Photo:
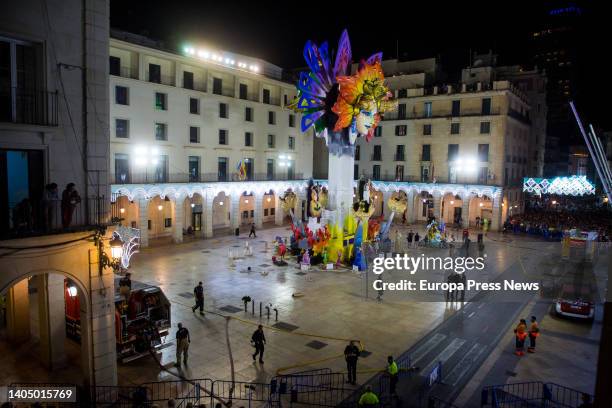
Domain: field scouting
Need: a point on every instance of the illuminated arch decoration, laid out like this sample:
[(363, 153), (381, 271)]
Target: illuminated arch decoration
[(177, 190), (131, 243), (572, 186)]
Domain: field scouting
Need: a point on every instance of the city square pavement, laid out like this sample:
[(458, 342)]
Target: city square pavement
[(329, 308)]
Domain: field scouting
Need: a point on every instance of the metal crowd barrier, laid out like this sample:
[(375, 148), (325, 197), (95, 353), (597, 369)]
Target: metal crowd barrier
[(530, 393)]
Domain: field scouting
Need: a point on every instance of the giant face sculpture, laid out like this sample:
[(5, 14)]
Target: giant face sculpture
[(365, 119), (339, 106)]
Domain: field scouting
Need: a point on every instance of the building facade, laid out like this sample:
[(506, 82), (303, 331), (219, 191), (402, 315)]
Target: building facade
[(198, 117), (54, 129), (477, 132)]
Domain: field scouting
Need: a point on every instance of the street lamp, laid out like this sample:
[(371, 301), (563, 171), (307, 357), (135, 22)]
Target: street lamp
[(116, 246), (116, 251)]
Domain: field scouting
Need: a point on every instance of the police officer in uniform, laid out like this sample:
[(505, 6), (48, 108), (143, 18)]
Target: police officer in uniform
[(198, 292), (393, 372), (368, 398), (351, 354), (182, 344), (258, 339)]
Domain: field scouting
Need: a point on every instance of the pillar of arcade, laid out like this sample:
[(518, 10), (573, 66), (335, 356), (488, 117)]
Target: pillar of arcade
[(465, 210), (437, 202), (410, 207), (208, 198), (258, 209), (178, 215), (279, 214), (235, 211), (143, 221)]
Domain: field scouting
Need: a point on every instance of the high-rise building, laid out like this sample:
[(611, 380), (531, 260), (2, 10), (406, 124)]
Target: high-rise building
[(554, 48)]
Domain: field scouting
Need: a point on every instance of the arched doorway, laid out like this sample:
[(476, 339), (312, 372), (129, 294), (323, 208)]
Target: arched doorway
[(269, 207), (160, 221), (423, 206), (480, 208), (247, 208), (220, 211), (44, 332), (193, 215), (451, 208), (126, 211)]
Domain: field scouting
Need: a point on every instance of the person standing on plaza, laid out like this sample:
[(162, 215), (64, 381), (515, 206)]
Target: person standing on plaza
[(182, 344), (534, 332), (351, 354), (393, 372), (368, 398), (410, 238), (521, 334), (417, 238), (198, 293), (258, 339), (252, 231)]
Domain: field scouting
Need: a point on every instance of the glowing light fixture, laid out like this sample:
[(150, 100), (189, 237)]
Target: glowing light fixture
[(72, 291), (192, 205), (573, 185), (160, 207), (452, 202), (481, 204), (116, 246), (122, 210), (269, 199), (143, 155)]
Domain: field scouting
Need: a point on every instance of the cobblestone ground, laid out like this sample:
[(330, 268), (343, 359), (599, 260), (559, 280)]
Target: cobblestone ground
[(331, 308)]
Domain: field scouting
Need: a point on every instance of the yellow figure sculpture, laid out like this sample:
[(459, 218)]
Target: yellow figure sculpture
[(288, 201)]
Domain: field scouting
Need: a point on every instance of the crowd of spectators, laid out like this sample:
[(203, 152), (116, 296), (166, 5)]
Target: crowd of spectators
[(553, 222)]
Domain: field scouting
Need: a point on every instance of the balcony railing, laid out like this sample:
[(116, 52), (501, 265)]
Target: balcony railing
[(35, 217), (389, 176), (162, 79), (436, 115), (29, 107), (272, 101), (126, 72), (150, 178)]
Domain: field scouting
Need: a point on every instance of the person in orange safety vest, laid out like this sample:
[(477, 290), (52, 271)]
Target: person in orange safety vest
[(534, 332), (521, 335)]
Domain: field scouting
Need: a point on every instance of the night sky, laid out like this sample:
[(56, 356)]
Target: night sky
[(277, 31)]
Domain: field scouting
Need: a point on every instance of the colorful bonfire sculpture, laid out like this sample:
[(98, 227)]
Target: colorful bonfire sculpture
[(339, 107)]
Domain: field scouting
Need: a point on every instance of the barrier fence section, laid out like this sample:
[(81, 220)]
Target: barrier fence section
[(533, 392), (117, 396), (245, 392), (194, 391), (311, 388), (431, 378)]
